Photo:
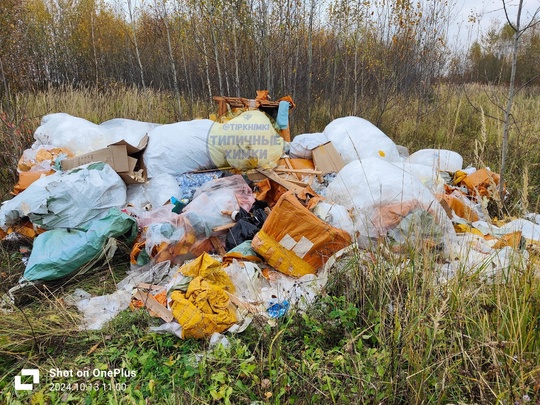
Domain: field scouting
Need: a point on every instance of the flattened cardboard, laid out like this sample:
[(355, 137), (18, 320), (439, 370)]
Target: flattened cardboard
[(114, 155), (123, 157), (327, 159)]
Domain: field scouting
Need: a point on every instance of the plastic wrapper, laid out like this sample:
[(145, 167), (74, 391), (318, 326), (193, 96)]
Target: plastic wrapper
[(296, 242), (380, 195), (356, 138), (97, 311), (178, 148), (214, 202), (67, 200), (214, 188)]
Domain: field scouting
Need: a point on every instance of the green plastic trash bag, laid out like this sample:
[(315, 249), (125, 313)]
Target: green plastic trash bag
[(61, 252)]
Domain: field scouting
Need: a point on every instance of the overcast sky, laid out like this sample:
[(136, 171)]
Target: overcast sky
[(486, 13)]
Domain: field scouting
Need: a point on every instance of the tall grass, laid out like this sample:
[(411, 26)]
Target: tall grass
[(388, 329), (455, 118)]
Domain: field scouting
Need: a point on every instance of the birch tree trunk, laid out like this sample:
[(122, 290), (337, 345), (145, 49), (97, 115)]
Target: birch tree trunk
[(135, 42)]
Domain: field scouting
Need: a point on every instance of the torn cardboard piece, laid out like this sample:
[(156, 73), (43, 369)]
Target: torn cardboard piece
[(327, 159), (154, 305)]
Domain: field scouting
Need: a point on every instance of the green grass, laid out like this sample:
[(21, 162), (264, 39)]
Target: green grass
[(387, 330), (378, 335)]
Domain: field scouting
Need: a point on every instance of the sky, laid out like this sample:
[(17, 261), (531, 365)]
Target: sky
[(486, 13)]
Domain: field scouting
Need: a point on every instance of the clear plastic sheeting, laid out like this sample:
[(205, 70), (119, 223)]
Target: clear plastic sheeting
[(178, 148), (67, 200), (96, 311), (529, 230), (215, 201), (154, 193), (356, 138), (472, 254), (380, 195)]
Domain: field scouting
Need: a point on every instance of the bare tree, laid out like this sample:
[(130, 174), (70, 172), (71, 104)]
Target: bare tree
[(518, 32), (131, 11)]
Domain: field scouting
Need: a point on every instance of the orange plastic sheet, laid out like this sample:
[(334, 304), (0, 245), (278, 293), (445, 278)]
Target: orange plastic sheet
[(270, 191), (482, 182), (296, 242), (513, 239), (27, 178), (457, 204), (26, 229)]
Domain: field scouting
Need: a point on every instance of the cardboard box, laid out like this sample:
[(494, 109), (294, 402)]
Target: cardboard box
[(327, 159), (124, 158)]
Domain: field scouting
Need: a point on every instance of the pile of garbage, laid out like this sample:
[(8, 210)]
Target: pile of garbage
[(229, 220)]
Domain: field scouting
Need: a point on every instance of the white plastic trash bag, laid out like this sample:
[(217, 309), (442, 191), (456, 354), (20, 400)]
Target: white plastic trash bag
[(388, 201), (356, 138), (131, 131), (439, 159), (336, 215), (76, 134), (67, 199), (178, 148), (302, 145), (426, 174)]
